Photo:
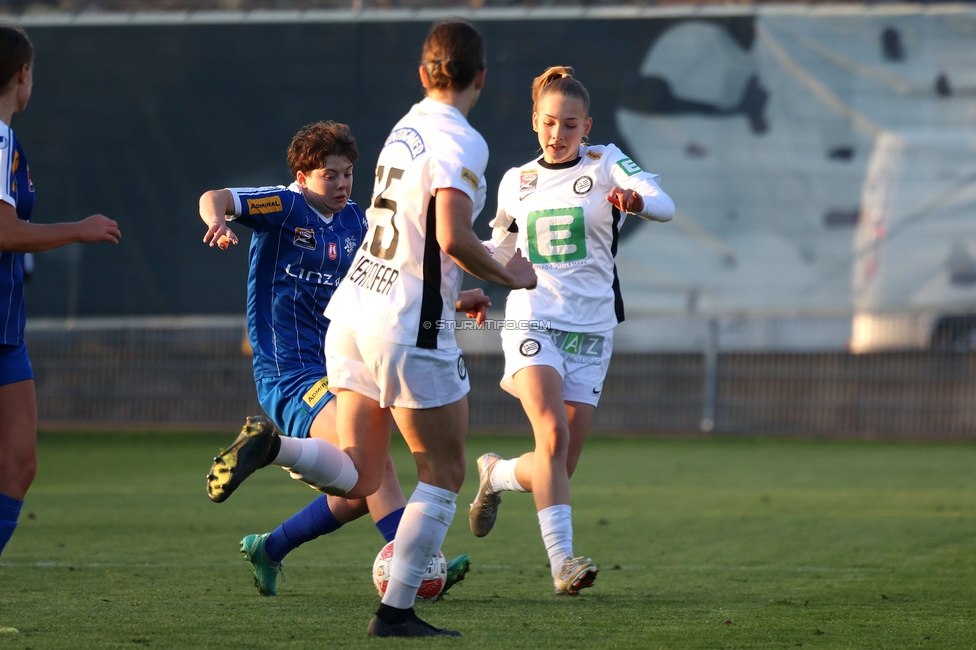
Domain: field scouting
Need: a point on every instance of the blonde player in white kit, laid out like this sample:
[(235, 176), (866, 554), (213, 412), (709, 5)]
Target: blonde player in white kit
[(564, 211), (390, 348)]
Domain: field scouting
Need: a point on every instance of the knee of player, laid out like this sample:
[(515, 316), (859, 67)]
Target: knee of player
[(368, 484), (445, 475), (552, 439)]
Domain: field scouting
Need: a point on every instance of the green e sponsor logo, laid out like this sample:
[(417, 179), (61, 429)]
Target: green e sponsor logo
[(629, 166), (556, 235)]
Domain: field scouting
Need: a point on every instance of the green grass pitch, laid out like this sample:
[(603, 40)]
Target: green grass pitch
[(701, 543)]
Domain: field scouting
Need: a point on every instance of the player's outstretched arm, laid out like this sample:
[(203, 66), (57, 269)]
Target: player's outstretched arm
[(457, 239), (20, 236), (215, 205), (653, 205)]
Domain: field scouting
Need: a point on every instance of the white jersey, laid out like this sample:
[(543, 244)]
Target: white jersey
[(559, 216), (401, 287)]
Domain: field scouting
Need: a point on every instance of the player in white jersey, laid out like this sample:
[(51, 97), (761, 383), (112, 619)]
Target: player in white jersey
[(564, 211), (19, 237), (390, 349), (305, 237)]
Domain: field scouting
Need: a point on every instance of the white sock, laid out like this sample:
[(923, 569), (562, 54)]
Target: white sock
[(503, 477), (423, 526), (556, 523), (288, 453), (318, 463)]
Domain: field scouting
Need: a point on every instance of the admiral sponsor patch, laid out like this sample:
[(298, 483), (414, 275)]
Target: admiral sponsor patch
[(583, 185), (305, 238), (318, 391), (470, 177), (528, 181), (594, 155), (267, 205), (529, 348), (629, 167)]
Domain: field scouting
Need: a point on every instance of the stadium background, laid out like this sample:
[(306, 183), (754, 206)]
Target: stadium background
[(134, 115)]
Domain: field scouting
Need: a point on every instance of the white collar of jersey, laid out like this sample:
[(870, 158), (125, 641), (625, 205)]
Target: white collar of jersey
[(326, 219), (429, 105)]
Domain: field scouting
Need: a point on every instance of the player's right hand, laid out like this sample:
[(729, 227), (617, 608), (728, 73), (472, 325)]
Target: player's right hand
[(98, 228), (522, 271), (220, 235)]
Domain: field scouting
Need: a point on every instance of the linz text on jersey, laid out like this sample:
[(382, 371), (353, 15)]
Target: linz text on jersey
[(315, 277), (374, 276)]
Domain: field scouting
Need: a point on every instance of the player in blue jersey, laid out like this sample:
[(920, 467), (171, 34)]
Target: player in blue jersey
[(305, 237), (18, 236)]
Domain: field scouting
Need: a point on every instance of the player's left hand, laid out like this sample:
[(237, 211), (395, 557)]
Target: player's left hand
[(626, 200), (474, 303)]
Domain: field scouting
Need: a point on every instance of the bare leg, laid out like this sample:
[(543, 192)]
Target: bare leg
[(579, 416), (386, 499), (18, 452), (364, 430), (18, 438)]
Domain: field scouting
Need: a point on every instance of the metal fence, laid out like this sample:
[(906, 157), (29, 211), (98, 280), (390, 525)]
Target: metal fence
[(192, 375)]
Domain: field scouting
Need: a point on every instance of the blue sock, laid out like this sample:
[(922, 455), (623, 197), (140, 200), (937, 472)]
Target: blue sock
[(314, 520), (9, 512), (388, 525)]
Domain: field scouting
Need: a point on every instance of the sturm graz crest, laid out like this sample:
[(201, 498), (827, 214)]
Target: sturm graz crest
[(529, 348), (583, 185)]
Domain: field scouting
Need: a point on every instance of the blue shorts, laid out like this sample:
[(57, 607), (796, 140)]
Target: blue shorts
[(293, 406), (15, 365)]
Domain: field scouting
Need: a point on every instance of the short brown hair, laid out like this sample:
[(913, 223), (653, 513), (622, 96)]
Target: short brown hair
[(16, 51), (454, 53), (315, 142)]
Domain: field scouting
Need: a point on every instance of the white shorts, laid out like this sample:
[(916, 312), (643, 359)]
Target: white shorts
[(394, 374), (581, 359)]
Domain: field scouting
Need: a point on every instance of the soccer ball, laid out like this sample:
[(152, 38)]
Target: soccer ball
[(434, 577)]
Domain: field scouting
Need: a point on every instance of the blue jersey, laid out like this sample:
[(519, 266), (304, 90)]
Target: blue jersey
[(297, 259), (17, 190)]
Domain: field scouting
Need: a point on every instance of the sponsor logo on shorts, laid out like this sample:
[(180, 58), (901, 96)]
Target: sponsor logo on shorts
[(333, 250), (528, 181), (409, 138), (462, 371), (583, 185), (317, 392), (629, 167), (470, 177), (579, 344), (529, 347), (267, 205), (594, 155), (305, 238), (597, 391)]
